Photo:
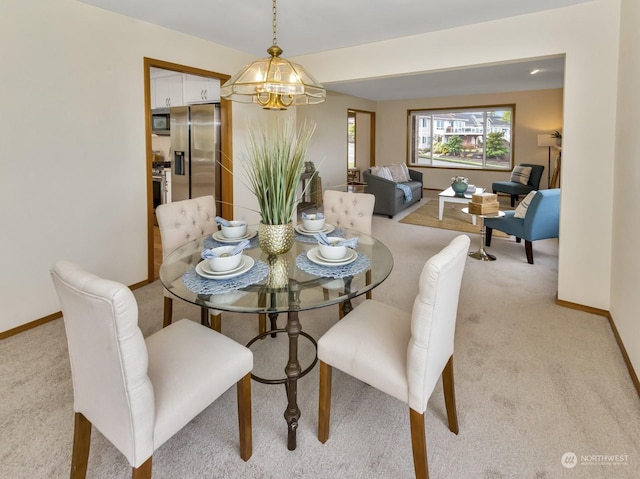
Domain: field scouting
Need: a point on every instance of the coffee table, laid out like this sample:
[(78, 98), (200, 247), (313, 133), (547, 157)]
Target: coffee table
[(449, 196)]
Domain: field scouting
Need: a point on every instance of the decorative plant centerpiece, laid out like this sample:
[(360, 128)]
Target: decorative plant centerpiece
[(276, 157), (459, 184)]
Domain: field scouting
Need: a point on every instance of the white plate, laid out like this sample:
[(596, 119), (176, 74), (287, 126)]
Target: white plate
[(315, 257), (326, 230), (207, 269), (247, 264), (218, 236)]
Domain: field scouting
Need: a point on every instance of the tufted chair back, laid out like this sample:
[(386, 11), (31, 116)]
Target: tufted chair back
[(182, 221), (109, 359), (349, 210)]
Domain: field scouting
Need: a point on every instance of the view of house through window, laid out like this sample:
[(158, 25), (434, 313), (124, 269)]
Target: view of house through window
[(477, 137)]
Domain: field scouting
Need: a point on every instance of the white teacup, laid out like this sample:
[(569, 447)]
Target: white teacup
[(313, 223), (223, 263), (332, 250), (237, 229)]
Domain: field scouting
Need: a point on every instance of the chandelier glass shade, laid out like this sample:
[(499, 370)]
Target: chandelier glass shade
[(274, 83)]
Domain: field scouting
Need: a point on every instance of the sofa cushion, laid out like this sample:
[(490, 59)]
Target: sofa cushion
[(521, 210), (383, 172), (398, 173), (520, 174)]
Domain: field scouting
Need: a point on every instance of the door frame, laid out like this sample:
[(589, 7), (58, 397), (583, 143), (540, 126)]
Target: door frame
[(226, 133), (372, 136)]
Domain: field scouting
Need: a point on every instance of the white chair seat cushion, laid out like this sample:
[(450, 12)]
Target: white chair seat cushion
[(181, 358), (370, 344)]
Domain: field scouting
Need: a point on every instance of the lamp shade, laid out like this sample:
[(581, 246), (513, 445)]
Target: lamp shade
[(274, 83), (546, 140)]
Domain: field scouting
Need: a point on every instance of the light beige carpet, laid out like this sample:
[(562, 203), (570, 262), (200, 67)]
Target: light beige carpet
[(452, 219)]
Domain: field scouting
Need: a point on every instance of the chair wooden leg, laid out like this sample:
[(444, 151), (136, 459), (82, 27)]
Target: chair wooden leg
[(488, 232), (325, 294), (324, 402), (368, 280), (216, 322), (341, 311), (450, 396), (262, 323), (244, 417), (168, 311), (528, 247), (419, 444), (81, 443), (144, 471), (513, 200)]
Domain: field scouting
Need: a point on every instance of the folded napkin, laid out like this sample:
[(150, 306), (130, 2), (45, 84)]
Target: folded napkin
[(318, 216), (221, 221), (210, 253), (349, 243)]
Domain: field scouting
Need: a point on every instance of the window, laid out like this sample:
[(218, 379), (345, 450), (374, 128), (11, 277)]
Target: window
[(477, 137)]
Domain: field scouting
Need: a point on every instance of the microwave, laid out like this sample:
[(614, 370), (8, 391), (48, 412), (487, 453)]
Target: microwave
[(161, 121)]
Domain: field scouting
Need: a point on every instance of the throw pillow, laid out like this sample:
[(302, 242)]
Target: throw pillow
[(398, 173), (385, 173), (520, 174), (521, 210), (406, 170), (374, 170)]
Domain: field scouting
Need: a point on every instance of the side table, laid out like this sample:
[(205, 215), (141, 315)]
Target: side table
[(482, 252)]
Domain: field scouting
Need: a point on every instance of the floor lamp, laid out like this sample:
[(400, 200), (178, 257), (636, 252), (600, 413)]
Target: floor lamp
[(547, 141)]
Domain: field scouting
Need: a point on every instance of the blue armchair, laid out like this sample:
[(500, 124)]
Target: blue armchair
[(541, 221), (515, 189)]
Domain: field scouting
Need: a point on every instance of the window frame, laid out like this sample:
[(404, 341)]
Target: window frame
[(415, 135)]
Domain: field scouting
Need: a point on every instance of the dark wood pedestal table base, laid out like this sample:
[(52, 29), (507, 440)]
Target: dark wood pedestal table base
[(263, 299)]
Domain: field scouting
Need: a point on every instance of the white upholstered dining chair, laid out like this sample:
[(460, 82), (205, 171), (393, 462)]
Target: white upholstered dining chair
[(138, 392), (349, 210), (402, 354), (179, 223)]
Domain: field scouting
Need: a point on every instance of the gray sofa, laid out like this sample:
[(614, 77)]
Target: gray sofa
[(389, 198)]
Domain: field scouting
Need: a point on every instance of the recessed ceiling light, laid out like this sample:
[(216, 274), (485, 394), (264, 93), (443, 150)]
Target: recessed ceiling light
[(533, 72)]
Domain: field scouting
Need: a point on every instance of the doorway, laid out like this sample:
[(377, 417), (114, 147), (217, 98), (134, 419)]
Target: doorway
[(154, 248), (361, 140)]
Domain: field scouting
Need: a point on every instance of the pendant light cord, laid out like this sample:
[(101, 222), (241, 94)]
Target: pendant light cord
[(275, 41)]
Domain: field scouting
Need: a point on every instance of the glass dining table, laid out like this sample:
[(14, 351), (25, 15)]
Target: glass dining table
[(289, 283)]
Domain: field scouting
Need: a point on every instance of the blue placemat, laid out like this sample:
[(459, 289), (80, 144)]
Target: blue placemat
[(196, 283), (311, 239), (360, 265)]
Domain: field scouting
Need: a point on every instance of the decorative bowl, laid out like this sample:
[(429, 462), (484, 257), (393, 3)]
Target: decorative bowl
[(224, 262), (332, 250), (238, 229), (311, 223)]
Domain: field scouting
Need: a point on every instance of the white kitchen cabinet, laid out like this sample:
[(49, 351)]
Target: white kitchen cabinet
[(167, 91), (199, 89)]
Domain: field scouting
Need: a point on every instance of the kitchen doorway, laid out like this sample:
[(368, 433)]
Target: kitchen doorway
[(361, 140), (154, 247)]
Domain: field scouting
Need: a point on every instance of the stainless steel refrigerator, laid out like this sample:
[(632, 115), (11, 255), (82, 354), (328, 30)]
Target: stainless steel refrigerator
[(195, 143)]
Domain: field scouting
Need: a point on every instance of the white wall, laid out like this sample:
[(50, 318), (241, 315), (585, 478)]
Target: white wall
[(72, 153), (625, 301), (75, 187), (588, 34), (536, 112)]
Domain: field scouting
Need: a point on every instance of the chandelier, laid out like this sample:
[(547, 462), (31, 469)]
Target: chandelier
[(274, 83)]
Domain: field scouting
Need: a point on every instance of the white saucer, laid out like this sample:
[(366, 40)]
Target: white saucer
[(315, 257), (326, 230), (218, 236), (247, 264)]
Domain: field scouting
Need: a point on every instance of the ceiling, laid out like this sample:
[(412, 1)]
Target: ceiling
[(312, 26)]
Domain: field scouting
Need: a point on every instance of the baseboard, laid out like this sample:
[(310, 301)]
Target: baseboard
[(50, 317), (612, 324)]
